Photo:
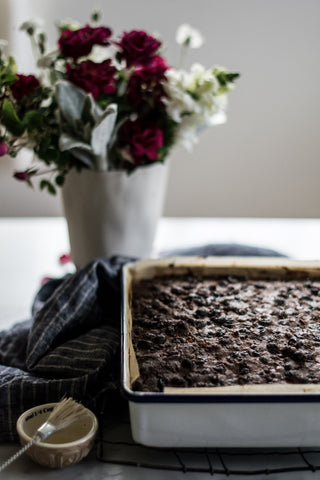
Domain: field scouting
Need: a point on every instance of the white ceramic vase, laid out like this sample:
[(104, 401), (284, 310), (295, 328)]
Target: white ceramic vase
[(113, 213)]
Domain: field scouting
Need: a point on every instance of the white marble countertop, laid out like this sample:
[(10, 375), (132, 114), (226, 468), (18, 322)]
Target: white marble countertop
[(30, 249)]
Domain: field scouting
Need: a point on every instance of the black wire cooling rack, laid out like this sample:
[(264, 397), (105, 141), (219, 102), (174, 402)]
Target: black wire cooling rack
[(116, 446)]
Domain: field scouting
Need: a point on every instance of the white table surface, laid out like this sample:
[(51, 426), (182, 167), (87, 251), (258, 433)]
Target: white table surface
[(30, 250)]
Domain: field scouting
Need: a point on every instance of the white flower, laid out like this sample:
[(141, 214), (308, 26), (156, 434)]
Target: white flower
[(100, 53), (3, 43), (202, 81), (187, 133), (68, 24), (194, 102), (179, 101), (32, 25), (192, 93), (189, 36)]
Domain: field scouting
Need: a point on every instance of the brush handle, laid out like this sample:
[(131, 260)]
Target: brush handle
[(18, 454), (42, 433)]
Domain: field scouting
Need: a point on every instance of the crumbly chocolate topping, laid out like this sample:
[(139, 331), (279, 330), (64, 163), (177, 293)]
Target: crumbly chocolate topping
[(206, 332)]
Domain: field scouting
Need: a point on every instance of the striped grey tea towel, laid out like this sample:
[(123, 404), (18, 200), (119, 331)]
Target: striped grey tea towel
[(70, 347)]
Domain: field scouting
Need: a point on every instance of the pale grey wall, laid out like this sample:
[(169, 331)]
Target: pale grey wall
[(265, 160)]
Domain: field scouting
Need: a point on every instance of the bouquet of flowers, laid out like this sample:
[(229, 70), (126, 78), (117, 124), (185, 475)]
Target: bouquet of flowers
[(104, 103)]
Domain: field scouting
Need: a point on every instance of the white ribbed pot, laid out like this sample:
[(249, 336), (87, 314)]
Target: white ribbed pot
[(113, 213)]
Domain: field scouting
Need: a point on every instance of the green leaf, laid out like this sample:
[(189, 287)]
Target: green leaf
[(95, 16), (232, 76), (48, 185), (225, 77), (59, 180), (51, 189), (78, 149), (68, 142), (70, 100), (32, 120), (10, 119), (8, 78), (101, 135), (43, 184), (12, 65), (47, 154), (90, 112)]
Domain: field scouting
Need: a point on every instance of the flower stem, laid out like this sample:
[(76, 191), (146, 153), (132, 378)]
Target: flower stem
[(183, 56)]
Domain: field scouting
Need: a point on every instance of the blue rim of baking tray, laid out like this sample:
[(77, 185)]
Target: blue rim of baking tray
[(150, 397), (160, 397)]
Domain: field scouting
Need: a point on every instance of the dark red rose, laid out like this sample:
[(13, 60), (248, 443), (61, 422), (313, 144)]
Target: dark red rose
[(158, 64), (94, 78), (140, 143), (146, 83), (138, 48), (24, 86), (79, 43), (25, 175), (3, 149), (65, 258)]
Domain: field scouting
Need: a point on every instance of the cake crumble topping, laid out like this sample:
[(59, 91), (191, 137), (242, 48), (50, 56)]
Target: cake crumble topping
[(205, 332)]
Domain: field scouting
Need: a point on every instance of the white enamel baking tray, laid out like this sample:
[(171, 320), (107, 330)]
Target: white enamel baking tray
[(245, 416)]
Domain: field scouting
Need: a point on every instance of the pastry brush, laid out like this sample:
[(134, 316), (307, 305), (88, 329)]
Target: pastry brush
[(64, 413)]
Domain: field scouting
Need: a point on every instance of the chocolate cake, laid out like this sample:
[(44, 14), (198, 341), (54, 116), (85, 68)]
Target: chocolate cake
[(205, 332)]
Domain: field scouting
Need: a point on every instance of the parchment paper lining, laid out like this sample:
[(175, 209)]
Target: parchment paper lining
[(132, 360), (284, 388)]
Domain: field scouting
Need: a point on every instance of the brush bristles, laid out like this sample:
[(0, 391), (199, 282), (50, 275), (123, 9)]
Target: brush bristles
[(66, 412)]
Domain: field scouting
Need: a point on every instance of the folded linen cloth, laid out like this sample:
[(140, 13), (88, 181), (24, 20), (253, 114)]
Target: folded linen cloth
[(71, 344)]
